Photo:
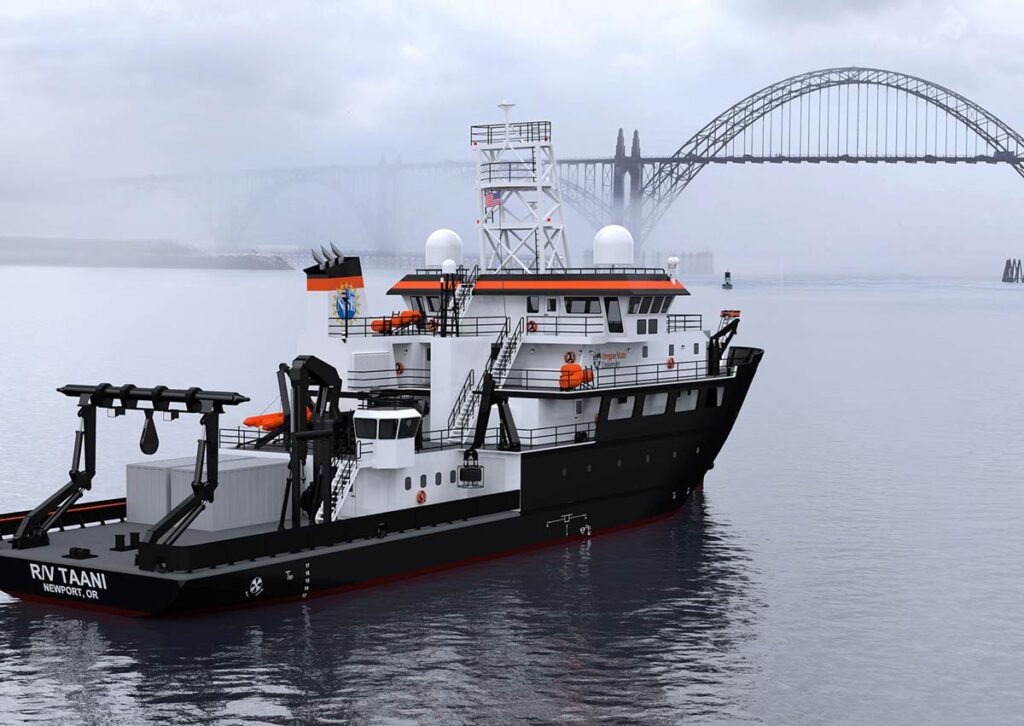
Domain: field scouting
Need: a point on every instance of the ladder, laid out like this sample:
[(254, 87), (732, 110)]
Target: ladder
[(468, 403), (341, 485), (465, 292)]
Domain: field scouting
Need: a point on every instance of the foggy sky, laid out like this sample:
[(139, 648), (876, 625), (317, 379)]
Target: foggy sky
[(93, 90)]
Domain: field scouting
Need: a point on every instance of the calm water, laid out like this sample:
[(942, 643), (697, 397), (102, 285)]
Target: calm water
[(855, 558)]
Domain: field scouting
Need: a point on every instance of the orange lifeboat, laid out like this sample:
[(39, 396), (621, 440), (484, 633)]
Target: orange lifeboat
[(401, 320), (573, 375), (271, 421)]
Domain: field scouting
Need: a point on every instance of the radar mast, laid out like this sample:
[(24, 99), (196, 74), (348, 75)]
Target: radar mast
[(520, 202)]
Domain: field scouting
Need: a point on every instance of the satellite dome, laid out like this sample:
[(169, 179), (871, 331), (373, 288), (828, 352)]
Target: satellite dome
[(613, 245), (443, 244)]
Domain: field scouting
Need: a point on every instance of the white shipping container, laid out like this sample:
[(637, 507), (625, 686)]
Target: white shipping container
[(249, 491), (148, 487)]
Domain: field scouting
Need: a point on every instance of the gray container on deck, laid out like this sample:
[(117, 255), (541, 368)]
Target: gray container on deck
[(249, 491), (148, 487)]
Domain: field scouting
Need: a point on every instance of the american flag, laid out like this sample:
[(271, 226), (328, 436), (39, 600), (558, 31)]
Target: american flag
[(491, 200)]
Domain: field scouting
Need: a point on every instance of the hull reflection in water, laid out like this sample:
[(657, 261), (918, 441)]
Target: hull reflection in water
[(643, 625)]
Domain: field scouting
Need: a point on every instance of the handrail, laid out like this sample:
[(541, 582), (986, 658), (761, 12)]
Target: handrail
[(565, 325), (363, 327), (678, 322), (467, 389), (387, 378), (542, 379), (544, 436)]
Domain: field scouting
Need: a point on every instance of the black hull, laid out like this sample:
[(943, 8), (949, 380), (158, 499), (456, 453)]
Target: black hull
[(635, 471)]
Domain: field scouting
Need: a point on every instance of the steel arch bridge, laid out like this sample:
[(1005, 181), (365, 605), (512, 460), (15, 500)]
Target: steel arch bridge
[(836, 115)]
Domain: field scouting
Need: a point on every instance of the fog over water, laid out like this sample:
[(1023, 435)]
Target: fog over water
[(100, 91), (853, 559)]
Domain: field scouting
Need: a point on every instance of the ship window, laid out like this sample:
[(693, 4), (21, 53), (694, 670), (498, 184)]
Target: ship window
[(408, 483), (428, 355), (634, 303), (433, 303), (451, 476), (417, 302), (669, 299), (533, 304), (696, 348), (423, 481), (388, 428), (671, 348), (552, 305), (643, 352), (407, 427), (437, 479), (582, 305), (611, 308), (641, 326), (655, 404), (579, 407), (645, 304), (366, 428), (711, 398), (686, 401), (621, 407), (652, 326)]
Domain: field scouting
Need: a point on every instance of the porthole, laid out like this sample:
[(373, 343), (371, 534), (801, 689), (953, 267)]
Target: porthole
[(408, 483), (437, 479), (675, 454), (423, 481), (451, 476)]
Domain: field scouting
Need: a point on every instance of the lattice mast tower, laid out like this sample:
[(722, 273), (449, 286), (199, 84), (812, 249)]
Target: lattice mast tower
[(521, 221)]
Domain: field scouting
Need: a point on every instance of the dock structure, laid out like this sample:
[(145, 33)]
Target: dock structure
[(1012, 271)]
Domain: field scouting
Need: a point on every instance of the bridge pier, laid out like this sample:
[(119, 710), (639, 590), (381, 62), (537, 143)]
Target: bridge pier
[(629, 215)]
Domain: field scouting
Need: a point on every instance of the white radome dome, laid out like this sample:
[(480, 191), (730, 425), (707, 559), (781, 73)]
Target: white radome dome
[(613, 245), (443, 244), (448, 267)]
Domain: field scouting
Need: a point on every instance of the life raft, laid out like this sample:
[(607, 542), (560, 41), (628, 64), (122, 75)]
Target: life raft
[(271, 421), (573, 375), (395, 322)]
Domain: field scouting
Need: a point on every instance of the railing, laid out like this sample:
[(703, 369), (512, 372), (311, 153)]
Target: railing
[(524, 131), (565, 325), (586, 271), (538, 438), (546, 379), (467, 390), (390, 378), (364, 327), (242, 437), (687, 321), (506, 172), (499, 365)]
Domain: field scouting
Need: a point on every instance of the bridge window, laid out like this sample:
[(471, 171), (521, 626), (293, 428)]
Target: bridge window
[(366, 428), (433, 303), (669, 299), (582, 305), (645, 304), (552, 305), (533, 304), (634, 304), (407, 427), (417, 302), (611, 308), (388, 428)]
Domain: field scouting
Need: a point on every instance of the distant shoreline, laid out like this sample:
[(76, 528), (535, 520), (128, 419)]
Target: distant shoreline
[(159, 254)]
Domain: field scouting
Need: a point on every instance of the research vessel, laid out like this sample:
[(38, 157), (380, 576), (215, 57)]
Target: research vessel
[(491, 407)]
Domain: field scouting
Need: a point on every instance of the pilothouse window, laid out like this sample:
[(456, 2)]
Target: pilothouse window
[(611, 307), (634, 304), (582, 305), (407, 427), (366, 428), (388, 428), (645, 304), (433, 303), (533, 304)]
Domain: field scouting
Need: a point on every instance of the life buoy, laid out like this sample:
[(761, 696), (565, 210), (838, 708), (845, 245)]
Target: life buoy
[(432, 324), (399, 368), (421, 497), (671, 363), (570, 357), (531, 326)]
